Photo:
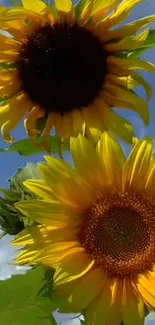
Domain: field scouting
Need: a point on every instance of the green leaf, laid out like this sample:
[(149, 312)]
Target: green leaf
[(79, 8), (149, 43), (46, 290), (26, 147), (21, 303)]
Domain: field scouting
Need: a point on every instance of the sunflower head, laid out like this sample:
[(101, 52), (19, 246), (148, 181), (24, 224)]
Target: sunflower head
[(69, 65), (97, 229)]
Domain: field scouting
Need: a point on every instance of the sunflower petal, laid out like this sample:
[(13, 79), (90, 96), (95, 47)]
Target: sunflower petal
[(40, 188), (141, 81), (17, 28), (47, 213), (26, 256), (77, 199), (64, 6), (121, 13), (82, 150), (91, 170), (116, 123), (94, 125), (131, 64), (132, 100), (113, 159), (45, 235), (69, 269), (129, 43), (127, 82), (12, 113), (137, 165), (126, 30), (106, 308), (133, 307), (54, 253), (145, 286), (80, 296), (96, 8), (35, 5)]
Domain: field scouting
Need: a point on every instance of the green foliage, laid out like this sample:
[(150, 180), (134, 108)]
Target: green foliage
[(12, 221), (26, 147), (79, 8), (46, 289), (21, 303), (149, 43)]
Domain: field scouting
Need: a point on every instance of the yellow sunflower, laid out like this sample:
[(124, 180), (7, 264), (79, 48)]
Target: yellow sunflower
[(97, 229), (70, 65)]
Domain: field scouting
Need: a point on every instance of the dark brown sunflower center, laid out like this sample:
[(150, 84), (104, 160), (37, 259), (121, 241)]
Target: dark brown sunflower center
[(62, 67), (119, 233)]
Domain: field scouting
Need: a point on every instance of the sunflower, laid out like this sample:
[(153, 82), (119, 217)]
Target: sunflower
[(97, 229), (68, 65)]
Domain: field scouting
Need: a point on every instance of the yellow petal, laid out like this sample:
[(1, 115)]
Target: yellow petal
[(25, 257), (141, 81), (47, 213), (44, 235), (97, 9), (137, 165), (106, 308), (87, 289), (150, 179), (9, 83), (121, 13), (64, 6), (30, 123), (126, 30), (131, 64), (127, 82), (146, 288), (59, 168), (8, 56), (69, 270), (129, 43), (40, 188), (54, 253), (7, 44), (94, 125), (82, 149), (114, 122), (132, 306), (70, 191), (90, 169), (78, 123), (35, 5), (132, 100), (12, 113), (17, 28), (113, 159), (7, 14)]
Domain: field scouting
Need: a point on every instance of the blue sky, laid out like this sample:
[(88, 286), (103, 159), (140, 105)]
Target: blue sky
[(10, 162)]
